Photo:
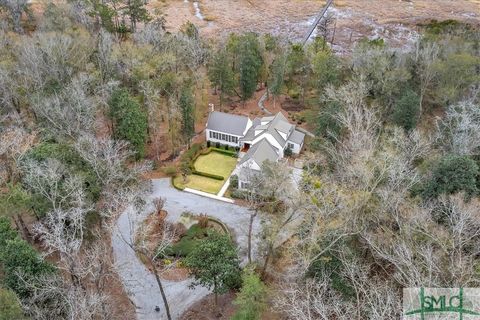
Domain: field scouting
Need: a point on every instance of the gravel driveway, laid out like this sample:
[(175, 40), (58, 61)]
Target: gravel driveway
[(138, 281)]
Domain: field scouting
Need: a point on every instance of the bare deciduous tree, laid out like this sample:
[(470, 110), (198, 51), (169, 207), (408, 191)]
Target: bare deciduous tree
[(426, 55), (69, 113), (459, 130)]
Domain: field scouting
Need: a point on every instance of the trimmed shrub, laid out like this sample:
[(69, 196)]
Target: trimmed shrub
[(177, 185), (170, 171), (288, 152), (207, 175), (227, 152)]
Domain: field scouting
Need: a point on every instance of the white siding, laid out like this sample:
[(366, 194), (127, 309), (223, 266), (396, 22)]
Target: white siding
[(296, 147), (249, 125), (283, 135), (244, 175), (229, 139)]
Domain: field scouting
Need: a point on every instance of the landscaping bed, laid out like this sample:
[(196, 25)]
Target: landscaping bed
[(193, 236)]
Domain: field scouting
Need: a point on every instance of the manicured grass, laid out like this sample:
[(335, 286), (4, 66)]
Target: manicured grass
[(204, 184), (216, 163)]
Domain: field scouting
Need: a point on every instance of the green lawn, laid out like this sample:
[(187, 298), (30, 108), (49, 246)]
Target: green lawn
[(213, 163), (216, 163), (204, 184)]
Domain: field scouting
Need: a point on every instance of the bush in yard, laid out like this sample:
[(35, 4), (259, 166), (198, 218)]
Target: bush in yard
[(217, 145), (234, 181), (214, 263), (450, 175), (288, 152), (170, 171), (208, 144)]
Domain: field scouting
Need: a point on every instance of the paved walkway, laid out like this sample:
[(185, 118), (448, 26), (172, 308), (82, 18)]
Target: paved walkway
[(139, 282), (209, 195), (224, 187)]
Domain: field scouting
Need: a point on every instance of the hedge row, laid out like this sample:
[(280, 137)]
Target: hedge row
[(227, 152), (207, 175), (180, 188)]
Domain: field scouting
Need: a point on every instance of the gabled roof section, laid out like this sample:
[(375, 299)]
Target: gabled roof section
[(297, 137), (280, 124), (250, 135), (260, 152), (227, 123)]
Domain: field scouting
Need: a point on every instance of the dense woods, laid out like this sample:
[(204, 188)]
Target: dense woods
[(94, 94)]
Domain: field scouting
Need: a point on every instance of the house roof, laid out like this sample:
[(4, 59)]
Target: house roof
[(260, 152), (274, 125), (279, 124), (297, 137), (250, 135), (227, 123)]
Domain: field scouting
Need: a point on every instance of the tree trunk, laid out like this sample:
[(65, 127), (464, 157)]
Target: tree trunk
[(267, 260), (22, 227), (215, 292), (160, 286), (250, 227)]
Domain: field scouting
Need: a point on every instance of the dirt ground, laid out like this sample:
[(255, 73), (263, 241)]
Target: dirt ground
[(205, 308), (394, 20)]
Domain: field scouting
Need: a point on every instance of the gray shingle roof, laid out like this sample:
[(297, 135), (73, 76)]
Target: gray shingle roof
[(297, 137), (260, 152), (250, 135), (227, 123), (279, 123)]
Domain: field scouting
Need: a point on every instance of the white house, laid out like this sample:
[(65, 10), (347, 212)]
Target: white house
[(262, 139), (226, 129)]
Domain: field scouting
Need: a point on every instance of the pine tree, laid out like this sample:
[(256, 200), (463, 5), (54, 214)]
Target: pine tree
[(187, 105), (221, 74), (251, 62)]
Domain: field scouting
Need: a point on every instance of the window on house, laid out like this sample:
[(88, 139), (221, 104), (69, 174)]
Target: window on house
[(291, 146), (244, 185)]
